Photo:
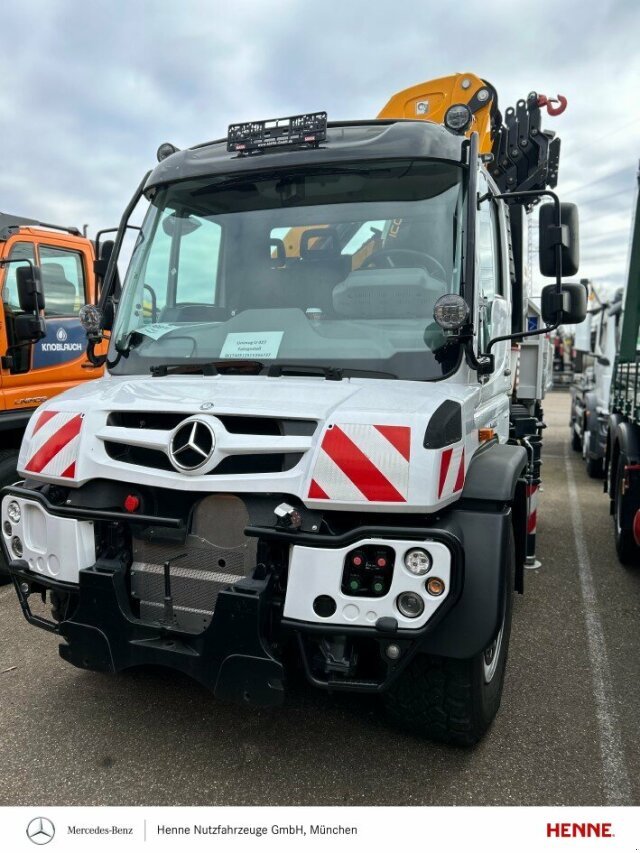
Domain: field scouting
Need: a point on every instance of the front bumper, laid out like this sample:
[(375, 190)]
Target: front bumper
[(230, 658), (237, 655)]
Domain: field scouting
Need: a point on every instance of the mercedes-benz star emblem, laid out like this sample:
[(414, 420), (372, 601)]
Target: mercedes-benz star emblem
[(40, 830), (192, 444)]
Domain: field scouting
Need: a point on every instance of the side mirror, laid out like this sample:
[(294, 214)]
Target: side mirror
[(29, 328), (569, 306), (30, 292), (102, 261), (567, 236)]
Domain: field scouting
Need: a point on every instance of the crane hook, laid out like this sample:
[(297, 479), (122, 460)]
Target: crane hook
[(544, 101)]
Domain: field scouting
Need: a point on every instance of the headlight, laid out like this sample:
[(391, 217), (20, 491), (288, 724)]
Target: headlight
[(16, 546), (13, 511), (458, 118), (410, 604), (418, 561)]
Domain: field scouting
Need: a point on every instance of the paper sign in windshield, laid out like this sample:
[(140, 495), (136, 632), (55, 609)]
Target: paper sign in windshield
[(156, 330), (251, 345)]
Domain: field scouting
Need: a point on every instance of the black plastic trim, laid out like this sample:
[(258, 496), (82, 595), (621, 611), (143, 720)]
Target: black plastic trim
[(445, 426), (77, 512), (15, 419)]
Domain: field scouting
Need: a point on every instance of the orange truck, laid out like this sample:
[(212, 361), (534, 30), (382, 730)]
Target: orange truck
[(42, 349)]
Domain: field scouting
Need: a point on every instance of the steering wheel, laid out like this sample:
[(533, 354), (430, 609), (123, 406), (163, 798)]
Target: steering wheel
[(412, 256)]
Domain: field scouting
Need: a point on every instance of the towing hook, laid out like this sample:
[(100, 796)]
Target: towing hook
[(544, 101)]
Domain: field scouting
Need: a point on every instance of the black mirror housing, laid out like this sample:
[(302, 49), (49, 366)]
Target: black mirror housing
[(570, 306), (30, 292), (549, 237), (29, 328)]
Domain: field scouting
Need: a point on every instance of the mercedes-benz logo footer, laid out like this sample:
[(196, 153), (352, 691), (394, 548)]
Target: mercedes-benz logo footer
[(40, 830), (192, 444)]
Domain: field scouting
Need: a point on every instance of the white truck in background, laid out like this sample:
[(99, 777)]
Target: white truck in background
[(597, 340)]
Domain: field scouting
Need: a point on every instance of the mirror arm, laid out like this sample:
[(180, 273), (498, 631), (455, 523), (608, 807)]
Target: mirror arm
[(110, 274), (519, 335), (530, 194)]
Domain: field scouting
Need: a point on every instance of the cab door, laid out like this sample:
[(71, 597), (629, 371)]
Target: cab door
[(53, 364)]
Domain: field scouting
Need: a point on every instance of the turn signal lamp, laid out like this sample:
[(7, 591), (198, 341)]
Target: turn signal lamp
[(435, 586), (485, 434)]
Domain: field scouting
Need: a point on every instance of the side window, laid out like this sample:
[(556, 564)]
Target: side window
[(488, 259), (62, 281), (19, 251), (198, 261)]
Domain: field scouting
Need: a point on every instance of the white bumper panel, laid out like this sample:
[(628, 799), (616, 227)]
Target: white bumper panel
[(53, 547), (318, 571)]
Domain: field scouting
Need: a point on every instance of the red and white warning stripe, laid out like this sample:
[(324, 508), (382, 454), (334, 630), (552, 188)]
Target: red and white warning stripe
[(363, 462), (532, 509), (54, 444), (451, 476)]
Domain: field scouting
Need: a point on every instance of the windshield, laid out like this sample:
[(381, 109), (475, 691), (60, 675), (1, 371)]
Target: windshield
[(336, 267)]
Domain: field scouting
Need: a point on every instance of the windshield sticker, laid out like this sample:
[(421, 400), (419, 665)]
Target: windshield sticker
[(156, 330), (251, 345)]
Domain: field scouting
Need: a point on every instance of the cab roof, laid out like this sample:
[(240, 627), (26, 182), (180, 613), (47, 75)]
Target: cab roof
[(346, 142)]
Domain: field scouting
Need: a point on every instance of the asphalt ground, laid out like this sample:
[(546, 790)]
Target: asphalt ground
[(567, 732)]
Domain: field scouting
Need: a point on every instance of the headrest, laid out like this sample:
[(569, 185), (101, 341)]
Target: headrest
[(377, 294), (54, 274)]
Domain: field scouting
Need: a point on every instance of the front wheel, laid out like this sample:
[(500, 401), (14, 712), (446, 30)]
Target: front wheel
[(455, 701)]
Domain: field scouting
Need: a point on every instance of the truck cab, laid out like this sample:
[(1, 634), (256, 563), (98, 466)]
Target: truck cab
[(307, 451), (32, 370), (589, 421)]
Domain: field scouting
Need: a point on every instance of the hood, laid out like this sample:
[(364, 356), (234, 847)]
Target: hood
[(341, 444)]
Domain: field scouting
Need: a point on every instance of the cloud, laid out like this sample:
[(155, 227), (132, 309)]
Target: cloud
[(89, 91)]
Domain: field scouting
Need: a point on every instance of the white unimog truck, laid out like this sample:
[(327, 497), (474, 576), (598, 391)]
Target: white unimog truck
[(306, 450)]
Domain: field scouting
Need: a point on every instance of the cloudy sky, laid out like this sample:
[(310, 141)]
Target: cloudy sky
[(90, 90)]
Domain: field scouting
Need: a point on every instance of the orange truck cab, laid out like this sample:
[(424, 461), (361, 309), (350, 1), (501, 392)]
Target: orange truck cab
[(32, 371)]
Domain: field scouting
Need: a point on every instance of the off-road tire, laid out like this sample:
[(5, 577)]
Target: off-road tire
[(447, 700), (626, 548), (8, 475)]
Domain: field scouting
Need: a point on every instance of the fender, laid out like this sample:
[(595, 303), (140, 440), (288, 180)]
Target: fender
[(494, 472), (627, 437), (591, 405), (494, 476), (614, 421), (473, 622)]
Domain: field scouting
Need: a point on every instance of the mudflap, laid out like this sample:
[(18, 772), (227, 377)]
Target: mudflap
[(230, 657)]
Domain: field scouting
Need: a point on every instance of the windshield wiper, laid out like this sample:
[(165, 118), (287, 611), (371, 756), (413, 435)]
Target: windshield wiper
[(334, 374), (239, 367), (210, 368)]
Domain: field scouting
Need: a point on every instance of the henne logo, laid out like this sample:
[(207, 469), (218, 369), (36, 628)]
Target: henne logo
[(40, 830)]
